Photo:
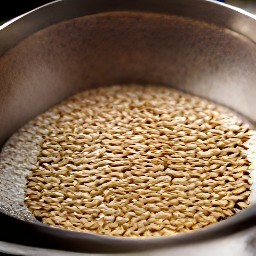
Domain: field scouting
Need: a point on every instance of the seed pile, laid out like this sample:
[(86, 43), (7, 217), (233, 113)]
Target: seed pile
[(138, 161)]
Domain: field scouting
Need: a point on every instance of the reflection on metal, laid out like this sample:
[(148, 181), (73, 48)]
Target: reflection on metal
[(206, 10), (249, 6)]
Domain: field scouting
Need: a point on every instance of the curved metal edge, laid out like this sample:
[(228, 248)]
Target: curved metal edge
[(237, 9), (17, 249), (15, 231), (9, 22), (210, 11), (17, 29)]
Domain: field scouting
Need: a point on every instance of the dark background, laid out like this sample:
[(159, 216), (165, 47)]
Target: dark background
[(10, 8)]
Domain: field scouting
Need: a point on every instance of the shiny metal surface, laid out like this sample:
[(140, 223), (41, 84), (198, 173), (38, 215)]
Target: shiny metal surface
[(218, 13), (248, 5), (198, 46), (237, 245)]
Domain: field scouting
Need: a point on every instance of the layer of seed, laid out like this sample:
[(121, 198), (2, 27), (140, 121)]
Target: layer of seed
[(138, 161)]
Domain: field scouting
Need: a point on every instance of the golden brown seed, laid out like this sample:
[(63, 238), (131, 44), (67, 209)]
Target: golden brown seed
[(138, 161)]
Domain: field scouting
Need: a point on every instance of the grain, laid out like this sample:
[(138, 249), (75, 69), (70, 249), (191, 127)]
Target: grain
[(136, 161)]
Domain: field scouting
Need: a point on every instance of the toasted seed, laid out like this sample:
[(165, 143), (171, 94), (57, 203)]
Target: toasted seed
[(135, 161)]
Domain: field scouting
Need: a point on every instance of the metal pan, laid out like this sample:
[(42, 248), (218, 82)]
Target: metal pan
[(202, 47)]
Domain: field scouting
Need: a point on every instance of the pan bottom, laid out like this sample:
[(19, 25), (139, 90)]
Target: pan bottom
[(129, 161)]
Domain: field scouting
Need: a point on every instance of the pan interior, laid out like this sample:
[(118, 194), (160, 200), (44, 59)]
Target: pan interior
[(118, 48)]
